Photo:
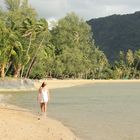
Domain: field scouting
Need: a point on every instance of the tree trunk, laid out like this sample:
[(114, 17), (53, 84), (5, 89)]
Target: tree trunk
[(30, 67), (22, 69), (17, 71), (33, 59), (10, 63), (2, 72)]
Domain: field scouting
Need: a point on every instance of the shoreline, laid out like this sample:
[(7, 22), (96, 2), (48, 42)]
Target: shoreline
[(52, 84), (30, 126), (55, 83)]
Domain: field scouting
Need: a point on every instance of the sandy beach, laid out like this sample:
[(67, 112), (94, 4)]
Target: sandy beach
[(69, 83), (20, 124)]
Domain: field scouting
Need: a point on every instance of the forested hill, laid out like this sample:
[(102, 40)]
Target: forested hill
[(116, 33)]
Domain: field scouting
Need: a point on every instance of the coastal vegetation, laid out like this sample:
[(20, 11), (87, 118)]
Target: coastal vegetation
[(30, 49)]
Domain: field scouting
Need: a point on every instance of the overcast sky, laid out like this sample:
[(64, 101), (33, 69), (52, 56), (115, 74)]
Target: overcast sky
[(86, 9)]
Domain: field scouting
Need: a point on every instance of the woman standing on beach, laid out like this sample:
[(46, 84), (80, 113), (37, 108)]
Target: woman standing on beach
[(43, 97)]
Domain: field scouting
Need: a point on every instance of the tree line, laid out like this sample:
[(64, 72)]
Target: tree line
[(29, 49)]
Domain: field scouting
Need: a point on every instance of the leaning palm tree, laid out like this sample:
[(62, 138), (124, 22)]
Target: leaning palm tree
[(40, 33), (18, 11)]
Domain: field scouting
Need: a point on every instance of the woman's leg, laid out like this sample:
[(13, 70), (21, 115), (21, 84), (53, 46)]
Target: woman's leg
[(42, 107), (45, 107)]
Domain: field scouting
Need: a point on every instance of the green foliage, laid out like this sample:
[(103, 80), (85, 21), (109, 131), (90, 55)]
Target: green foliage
[(128, 65), (29, 49), (74, 48)]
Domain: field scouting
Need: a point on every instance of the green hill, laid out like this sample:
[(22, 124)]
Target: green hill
[(116, 33)]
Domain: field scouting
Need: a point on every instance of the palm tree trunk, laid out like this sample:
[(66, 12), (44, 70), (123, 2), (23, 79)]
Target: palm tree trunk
[(17, 71), (2, 72), (30, 42), (30, 67), (33, 58), (10, 63)]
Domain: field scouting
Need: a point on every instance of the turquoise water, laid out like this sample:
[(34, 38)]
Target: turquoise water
[(109, 111)]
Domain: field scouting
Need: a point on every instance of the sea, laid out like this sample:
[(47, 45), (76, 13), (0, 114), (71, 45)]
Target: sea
[(99, 111)]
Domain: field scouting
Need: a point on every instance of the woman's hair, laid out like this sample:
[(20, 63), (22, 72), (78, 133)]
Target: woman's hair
[(43, 84)]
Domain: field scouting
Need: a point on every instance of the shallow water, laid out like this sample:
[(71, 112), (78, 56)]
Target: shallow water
[(109, 111)]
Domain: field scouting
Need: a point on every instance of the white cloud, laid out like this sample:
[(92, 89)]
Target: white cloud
[(84, 8), (52, 22)]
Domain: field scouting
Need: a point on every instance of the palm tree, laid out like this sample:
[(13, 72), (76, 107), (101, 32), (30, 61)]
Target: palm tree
[(18, 11), (7, 41), (40, 31), (137, 62)]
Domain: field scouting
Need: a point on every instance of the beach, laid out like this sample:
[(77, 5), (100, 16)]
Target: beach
[(20, 124), (52, 84)]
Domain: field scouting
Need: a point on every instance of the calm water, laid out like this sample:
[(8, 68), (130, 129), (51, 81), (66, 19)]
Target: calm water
[(94, 112)]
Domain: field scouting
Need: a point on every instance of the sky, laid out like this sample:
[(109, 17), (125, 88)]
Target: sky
[(86, 9)]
